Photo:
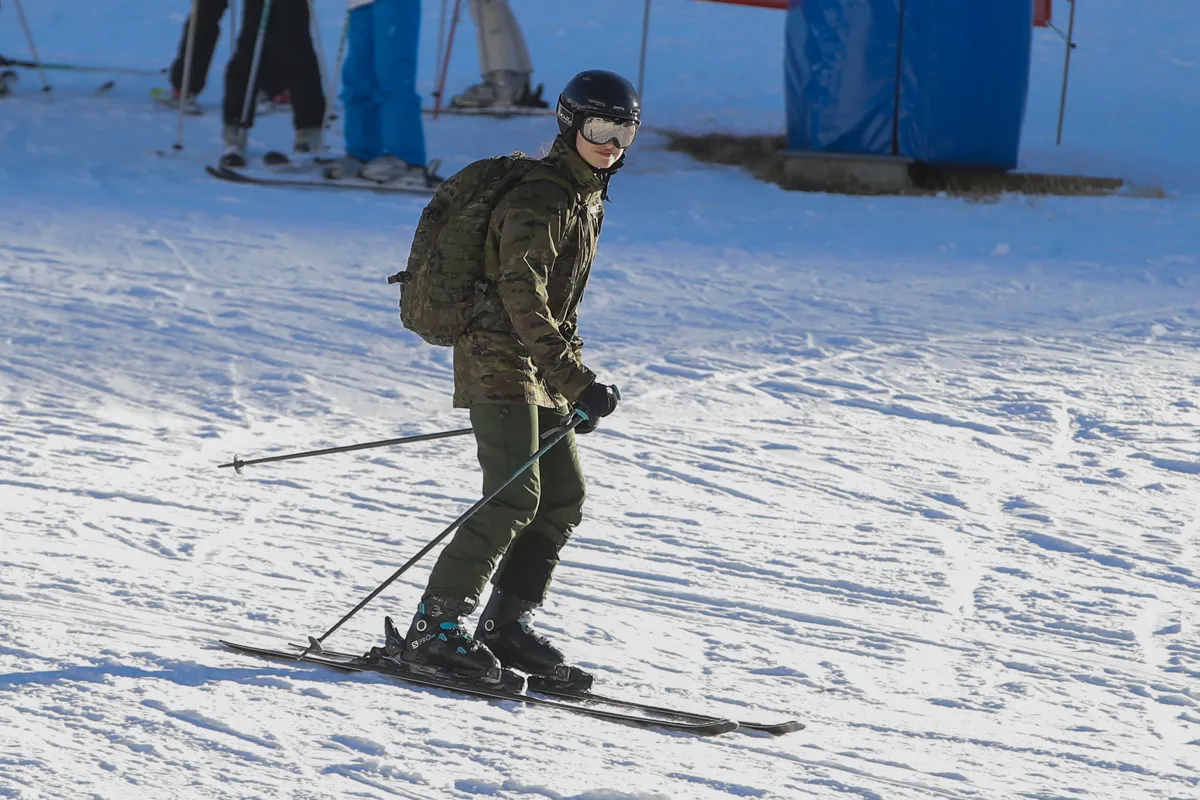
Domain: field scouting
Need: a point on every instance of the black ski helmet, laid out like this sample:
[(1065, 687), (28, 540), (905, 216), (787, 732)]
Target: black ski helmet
[(596, 93)]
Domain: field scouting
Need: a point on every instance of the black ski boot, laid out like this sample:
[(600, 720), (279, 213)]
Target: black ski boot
[(437, 644), (506, 627)]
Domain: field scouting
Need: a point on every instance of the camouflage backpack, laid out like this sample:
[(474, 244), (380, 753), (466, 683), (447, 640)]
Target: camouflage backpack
[(445, 268)]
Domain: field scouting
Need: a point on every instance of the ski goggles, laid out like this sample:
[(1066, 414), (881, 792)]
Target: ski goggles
[(599, 130)]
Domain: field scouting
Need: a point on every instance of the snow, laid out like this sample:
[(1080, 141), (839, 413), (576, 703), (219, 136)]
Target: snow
[(917, 471)]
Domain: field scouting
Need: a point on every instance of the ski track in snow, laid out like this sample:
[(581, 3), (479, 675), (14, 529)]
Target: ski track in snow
[(934, 497)]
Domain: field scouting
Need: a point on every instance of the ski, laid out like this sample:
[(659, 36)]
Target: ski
[(166, 98), (499, 112), (23, 64), (699, 725), (280, 163), (10, 78), (542, 686), (356, 184)]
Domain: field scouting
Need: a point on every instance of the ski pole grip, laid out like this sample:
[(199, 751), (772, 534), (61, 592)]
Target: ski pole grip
[(576, 416)]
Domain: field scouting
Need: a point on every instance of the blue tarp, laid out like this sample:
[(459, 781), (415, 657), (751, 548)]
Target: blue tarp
[(940, 81), (841, 75)]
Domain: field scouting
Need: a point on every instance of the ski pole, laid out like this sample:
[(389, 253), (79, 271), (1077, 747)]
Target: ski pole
[(32, 47), (189, 49), (556, 435), (337, 74), (441, 87), (441, 45), (252, 83), (17, 62), (238, 463), (233, 23)]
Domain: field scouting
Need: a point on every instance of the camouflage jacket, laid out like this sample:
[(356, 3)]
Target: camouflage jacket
[(522, 345)]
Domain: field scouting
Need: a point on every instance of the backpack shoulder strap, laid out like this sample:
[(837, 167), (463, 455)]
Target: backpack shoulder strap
[(539, 170)]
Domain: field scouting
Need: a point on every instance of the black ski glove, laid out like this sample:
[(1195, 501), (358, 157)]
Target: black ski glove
[(597, 400)]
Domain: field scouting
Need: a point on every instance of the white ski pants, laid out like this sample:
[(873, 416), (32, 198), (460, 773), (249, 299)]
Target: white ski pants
[(501, 43)]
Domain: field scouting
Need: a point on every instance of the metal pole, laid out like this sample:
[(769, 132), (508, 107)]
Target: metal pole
[(642, 60), (188, 51), (252, 83), (441, 86), (238, 463), (32, 47), (899, 82), (1062, 104), (314, 643)]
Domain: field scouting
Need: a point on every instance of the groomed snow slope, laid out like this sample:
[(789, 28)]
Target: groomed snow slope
[(922, 473)]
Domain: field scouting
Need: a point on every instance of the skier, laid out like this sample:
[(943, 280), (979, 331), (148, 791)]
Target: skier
[(518, 369), (288, 47), (385, 138), (504, 61), (208, 31)]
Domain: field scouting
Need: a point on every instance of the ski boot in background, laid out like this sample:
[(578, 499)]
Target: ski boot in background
[(307, 142), (500, 92), (345, 167), (306, 146), (388, 169), (171, 98), (266, 103), (235, 138)]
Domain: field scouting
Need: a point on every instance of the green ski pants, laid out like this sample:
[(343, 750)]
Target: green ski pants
[(523, 528)]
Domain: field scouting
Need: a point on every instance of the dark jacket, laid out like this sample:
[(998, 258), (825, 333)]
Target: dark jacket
[(522, 345)]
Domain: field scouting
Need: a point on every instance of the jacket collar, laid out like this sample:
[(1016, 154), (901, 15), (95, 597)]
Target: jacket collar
[(576, 170)]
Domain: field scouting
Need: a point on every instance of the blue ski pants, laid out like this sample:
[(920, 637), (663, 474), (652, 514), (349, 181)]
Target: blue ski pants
[(383, 109)]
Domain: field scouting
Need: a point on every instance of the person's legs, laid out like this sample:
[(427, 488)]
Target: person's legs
[(506, 436), (208, 31), (501, 43), (290, 47), (504, 62), (237, 73), (397, 29), (529, 563), (359, 87), (271, 81), (506, 623)]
